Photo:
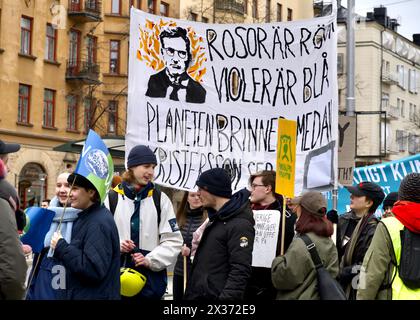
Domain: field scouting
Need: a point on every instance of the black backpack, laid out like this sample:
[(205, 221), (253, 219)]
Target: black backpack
[(328, 287), (113, 201), (409, 269)]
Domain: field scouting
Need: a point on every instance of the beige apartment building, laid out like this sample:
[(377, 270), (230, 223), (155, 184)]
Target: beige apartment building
[(248, 11), (387, 93), (63, 70)]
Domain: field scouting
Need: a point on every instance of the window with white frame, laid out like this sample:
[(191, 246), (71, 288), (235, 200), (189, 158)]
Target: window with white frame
[(412, 81), (401, 76), (400, 140), (410, 111), (402, 108)]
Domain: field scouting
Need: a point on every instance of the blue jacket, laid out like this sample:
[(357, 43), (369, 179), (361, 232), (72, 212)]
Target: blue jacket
[(92, 260)]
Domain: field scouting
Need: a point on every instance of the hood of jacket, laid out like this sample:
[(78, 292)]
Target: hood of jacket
[(237, 204), (408, 213)]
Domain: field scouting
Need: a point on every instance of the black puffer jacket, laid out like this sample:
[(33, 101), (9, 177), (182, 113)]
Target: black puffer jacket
[(92, 260), (222, 263)]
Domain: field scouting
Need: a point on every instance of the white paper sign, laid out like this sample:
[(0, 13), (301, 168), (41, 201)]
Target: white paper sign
[(267, 224), (209, 95)]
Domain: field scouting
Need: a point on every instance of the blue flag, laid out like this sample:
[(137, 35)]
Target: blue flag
[(95, 164), (388, 175), (38, 222)]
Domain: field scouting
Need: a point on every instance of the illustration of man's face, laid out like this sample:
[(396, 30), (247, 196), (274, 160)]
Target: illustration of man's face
[(175, 55)]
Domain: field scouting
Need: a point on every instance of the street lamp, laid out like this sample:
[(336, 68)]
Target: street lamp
[(42, 177)]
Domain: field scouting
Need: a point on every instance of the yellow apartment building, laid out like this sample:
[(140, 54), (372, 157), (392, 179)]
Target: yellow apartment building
[(63, 70)]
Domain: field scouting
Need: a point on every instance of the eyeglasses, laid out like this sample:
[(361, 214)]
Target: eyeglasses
[(171, 52), (254, 185)]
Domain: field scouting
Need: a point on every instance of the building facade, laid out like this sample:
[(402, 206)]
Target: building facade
[(63, 71), (245, 11), (387, 89)]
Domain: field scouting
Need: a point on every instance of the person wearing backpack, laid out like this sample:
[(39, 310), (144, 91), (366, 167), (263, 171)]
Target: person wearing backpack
[(294, 274), (149, 235), (391, 268)]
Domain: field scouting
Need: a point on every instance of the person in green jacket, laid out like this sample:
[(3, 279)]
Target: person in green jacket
[(379, 279), (294, 274), (13, 265)]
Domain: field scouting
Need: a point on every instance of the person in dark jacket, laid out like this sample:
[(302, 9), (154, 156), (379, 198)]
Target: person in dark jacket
[(173, 81), (355, 232), (92, 259), (222, 263), (189, 216), (40, 281), (263, 197), (12, 260)]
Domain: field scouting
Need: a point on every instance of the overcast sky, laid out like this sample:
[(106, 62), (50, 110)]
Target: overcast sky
[(406, 11)]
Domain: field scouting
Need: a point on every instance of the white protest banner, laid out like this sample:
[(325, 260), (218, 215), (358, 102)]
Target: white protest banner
[(267, 223), (210, 95)]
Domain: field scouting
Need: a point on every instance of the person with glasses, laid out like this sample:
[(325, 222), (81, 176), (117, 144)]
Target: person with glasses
[(173, 81), (263, 197)]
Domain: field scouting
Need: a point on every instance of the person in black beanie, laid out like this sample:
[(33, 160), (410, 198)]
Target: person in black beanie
[(388, 204), (222, 262), (150, 239)]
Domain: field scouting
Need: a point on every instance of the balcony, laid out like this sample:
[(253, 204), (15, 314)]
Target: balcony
[(82, 71), (392, 112), (230, 5), (390, 78), (85, 10)]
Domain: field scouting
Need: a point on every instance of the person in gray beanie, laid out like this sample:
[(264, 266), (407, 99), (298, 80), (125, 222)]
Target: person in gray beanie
[(379, 276), (222, 262), (149, 235)]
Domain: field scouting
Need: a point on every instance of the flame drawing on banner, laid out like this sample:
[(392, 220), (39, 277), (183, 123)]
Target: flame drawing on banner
[(149, 48)]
